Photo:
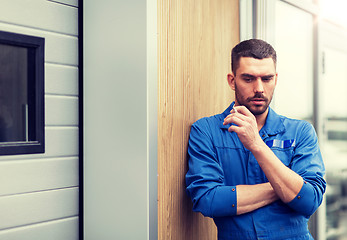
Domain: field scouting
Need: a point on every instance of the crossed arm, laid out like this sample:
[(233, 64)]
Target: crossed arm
[(283, 184), (252, 197), (205, 178)]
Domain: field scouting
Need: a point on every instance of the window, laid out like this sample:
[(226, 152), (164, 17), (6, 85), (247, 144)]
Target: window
[(334, 11), (21, 94), (310, 39), (294, 44), (333, 138)]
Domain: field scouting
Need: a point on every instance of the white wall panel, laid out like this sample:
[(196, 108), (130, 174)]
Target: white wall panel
[(61, 141), (40, 14), (67, 2), (61, 111), (61, 79), (39, 194), (64, 229), (35, 175), (24, 209), (115, 134), (59, 48)]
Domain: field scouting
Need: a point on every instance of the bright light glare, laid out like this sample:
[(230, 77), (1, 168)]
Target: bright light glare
[(334, 10)]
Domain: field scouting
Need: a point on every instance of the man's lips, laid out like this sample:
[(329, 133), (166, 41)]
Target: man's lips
[(257, 101)]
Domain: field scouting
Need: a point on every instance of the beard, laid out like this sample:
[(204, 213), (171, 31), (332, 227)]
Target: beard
[(247, 102)]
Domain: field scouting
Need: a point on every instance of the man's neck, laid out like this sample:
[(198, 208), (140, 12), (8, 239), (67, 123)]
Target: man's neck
[(261, 119)]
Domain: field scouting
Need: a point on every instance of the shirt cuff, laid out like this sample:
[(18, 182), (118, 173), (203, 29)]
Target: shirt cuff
[(224, 203), (303, 201)]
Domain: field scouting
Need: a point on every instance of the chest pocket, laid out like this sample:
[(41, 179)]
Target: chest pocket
[(283, 149)]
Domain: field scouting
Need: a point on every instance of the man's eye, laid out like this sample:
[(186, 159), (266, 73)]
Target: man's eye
[(247, 79), (266, 79)]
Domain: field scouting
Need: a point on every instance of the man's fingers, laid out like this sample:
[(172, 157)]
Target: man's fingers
[(236, 118), (233, 128), (243, 110)]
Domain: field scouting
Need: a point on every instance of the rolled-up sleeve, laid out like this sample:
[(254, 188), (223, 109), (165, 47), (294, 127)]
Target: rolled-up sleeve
[(308, 163), (205, 178)]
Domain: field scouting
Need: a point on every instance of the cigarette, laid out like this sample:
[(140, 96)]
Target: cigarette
[(234, 109)]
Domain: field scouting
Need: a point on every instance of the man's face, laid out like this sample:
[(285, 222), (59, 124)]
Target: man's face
[(254, 83)]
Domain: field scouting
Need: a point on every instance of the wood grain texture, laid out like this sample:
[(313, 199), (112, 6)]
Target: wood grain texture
[(195, 38)]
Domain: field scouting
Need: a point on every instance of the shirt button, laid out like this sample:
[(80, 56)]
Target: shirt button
[(305, 182), (299, 197), (233, 205), (233, 189)]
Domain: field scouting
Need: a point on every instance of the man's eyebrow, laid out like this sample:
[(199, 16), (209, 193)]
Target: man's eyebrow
[(268, 76), (247, 75)]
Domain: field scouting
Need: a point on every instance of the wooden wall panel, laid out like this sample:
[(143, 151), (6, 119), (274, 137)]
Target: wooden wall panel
[(195, 38)]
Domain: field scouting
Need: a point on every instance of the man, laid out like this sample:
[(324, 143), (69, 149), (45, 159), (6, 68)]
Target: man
[(259, 175)]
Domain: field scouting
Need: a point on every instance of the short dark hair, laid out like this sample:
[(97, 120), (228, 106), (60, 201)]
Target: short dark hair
[(254, 48)]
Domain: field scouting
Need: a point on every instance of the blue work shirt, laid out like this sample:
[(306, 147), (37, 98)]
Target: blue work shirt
[(218, 162)]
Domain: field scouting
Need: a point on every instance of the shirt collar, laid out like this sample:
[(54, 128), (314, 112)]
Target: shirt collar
[(225, 114), (273, 124)]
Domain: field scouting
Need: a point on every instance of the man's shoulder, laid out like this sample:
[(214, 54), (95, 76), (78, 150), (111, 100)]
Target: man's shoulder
[(294, 121), (299, 126), (210, 126), (211, 121)]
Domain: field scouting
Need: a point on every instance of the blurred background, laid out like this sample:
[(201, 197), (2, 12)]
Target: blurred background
[(310, 39)]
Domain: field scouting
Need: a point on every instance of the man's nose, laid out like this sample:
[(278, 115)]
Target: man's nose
[(258, 85)]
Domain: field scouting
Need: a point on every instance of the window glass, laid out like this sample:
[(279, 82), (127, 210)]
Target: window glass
[(293, 30), (294, 45), (21, 94), (335, 11), (334, 140), (13, 93)]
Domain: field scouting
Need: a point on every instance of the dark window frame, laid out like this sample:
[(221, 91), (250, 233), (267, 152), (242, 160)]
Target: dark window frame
[(36, 121)]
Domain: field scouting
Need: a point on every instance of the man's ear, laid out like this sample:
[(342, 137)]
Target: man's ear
[(231, 80)]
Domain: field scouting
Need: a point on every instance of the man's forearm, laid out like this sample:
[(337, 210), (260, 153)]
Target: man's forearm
[(285, 182), (252, 197)]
